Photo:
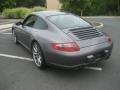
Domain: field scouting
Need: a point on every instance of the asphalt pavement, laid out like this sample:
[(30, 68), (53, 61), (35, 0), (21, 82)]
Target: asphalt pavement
[(21, 74)]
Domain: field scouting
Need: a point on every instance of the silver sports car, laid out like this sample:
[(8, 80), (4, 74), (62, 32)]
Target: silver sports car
[(61, 39)]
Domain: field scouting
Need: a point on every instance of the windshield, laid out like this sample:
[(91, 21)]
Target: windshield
[(68, 21)]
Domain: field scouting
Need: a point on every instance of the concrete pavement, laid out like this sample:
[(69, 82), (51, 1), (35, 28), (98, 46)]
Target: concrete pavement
[(5, 26)]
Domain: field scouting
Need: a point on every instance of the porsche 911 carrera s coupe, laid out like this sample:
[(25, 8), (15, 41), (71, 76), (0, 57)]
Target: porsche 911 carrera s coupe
[(61, 39)]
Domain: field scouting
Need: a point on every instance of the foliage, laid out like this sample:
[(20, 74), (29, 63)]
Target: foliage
[(92, 7), (20, 12), (20, 3), (15, 12), (105, 7), (30, 3), (75, 6), (7, 4), (85, 7), (37, 8)]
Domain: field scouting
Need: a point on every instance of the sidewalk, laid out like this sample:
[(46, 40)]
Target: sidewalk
[(7, 21), (5, 26)]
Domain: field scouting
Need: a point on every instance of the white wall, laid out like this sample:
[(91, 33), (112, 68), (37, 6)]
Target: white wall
[(53, 4)]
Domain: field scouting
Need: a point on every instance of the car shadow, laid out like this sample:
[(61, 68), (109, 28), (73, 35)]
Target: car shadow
[(77, 72)]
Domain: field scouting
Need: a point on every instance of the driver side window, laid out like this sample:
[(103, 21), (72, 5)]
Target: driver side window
[(30, 20)]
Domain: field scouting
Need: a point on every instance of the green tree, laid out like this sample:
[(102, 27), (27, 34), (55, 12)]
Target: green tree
[(105, 7), (20, 3), (76, 6), (7, 4), (30, 3), (92, 7)]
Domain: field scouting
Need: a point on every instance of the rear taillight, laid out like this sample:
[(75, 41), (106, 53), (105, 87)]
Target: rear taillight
[(67, 47)]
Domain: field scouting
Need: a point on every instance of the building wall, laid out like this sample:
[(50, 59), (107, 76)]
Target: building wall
[(53, 4)]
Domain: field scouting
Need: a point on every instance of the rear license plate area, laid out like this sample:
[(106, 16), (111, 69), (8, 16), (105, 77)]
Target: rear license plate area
[(95, 57)]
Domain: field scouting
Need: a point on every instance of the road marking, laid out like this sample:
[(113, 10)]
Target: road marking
[(94, 68), (16, 57), (29, 59)]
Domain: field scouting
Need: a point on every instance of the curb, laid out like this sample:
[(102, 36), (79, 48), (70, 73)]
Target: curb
[(101, 17), (98, 25)]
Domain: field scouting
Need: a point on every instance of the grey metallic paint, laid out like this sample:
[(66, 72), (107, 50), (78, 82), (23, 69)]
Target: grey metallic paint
[(27, 35)]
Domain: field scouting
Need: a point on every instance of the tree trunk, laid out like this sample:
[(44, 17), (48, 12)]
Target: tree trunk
[(118, 5), (81, 12)]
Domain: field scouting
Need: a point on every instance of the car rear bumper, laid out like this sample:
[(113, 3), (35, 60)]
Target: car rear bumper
[(85, 56)]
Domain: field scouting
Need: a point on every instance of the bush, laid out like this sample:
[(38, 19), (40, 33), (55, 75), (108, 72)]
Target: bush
[(34, 9), (20, 12), (16, 12)]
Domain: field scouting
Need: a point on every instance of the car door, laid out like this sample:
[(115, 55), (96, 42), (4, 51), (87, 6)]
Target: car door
[(40, 30), (26, 30)]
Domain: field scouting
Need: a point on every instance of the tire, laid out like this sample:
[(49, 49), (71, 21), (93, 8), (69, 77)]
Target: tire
[(14, 37), (38, 57)]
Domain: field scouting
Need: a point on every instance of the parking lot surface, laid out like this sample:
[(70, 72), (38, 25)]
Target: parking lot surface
[(18, 72)]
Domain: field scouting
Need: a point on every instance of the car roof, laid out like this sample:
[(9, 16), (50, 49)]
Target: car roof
[(48, 13)]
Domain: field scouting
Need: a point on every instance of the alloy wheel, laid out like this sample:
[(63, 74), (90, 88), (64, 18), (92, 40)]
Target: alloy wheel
[(37, 56), (14, 37)]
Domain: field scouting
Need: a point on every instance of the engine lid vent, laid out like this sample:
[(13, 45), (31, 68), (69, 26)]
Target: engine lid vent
[(86, 33)]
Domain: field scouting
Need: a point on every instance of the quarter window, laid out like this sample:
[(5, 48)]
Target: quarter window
[(40, 24)]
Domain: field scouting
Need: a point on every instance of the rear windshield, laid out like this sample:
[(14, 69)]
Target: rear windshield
[(68, 21)]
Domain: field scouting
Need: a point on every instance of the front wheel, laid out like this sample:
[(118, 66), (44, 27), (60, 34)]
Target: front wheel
[(38, 56)]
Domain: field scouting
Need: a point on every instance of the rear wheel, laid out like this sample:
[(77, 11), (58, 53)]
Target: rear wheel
[(38, 56), (14, 37)]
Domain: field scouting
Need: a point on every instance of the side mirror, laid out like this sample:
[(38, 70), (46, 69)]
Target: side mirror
[(19, 23)]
